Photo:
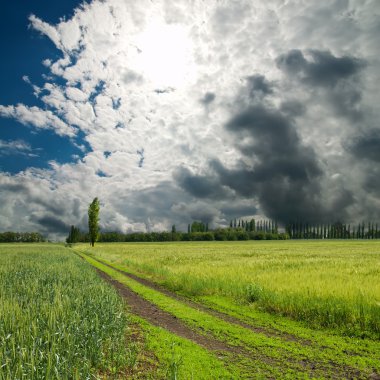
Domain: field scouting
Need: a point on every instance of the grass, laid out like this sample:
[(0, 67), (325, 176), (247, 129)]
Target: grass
[(181, 359), (326, 284), (270, 356), (58, 319)]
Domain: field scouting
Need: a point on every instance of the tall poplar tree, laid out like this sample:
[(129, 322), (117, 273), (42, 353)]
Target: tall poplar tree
[(93, 221), (252, 225)]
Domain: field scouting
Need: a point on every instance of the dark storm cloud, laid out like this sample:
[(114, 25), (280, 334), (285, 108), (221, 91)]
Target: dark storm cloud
[(270, 136), (259, 86), (166, 204), (199, 186), (292, 108), (239, 210), (208, 98), (287, 188), (346, 100), (151, 203), (145, 203), (277, 169), (48, 212), (324, 69), (76, 209), (32, 196), (203, 214), (367, 146), (343, 199), (52, 206), (372, 181), (52, 224), (338, 76), (293, 62), (284, 175), (199, 211), (366, 151)]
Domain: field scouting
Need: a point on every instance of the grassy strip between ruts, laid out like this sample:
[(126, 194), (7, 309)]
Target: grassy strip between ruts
[(179, 358), (271, 357), (324, 284), (58, 319), (278, 325)]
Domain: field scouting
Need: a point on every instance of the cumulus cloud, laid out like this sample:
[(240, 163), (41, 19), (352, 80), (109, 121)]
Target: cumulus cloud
[(16, 147), (367, 146), (259, 86), (34, 116), (339, 75), (208, 98), (200, 186), (273, 115), (323, 69)]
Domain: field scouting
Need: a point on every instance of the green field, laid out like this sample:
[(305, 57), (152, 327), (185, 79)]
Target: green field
[(58, 320), (333, 284), (271, 309)]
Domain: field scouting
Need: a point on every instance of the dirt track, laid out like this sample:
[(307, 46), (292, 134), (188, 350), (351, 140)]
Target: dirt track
[(215, 313), (158, 317)]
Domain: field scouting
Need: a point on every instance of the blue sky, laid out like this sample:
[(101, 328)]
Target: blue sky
[(173, 111), (25, 50)]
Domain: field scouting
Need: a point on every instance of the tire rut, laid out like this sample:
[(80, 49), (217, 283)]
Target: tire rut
[(209, 310), (150, 312), (158, 317)]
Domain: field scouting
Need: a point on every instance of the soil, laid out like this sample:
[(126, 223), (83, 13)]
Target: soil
[(215, 313), (158, 317)]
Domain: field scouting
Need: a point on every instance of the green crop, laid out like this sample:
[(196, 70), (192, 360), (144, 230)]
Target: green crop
[(276, 347), (58, 319), (328, 284)]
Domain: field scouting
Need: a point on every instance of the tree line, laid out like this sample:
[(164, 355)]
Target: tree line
[(237, 230), (336, 230), (21, 237), (197, 231), (268, 226), (302, 230)]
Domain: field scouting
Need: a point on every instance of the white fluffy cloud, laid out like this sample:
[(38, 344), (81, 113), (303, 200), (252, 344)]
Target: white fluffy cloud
[(43, 119), (152, 85), (15, 147)]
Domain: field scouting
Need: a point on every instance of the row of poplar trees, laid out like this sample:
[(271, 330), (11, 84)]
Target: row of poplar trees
[(268, 226), (333, 231), (300, 230)]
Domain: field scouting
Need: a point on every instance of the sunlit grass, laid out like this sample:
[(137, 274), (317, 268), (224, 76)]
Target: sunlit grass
[(331, 284), (58, 319), (272, 355)]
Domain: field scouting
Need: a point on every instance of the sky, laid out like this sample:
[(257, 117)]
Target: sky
[(174, 111)]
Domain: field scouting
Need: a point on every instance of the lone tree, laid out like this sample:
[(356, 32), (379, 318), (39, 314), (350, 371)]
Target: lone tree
[(93, 221)]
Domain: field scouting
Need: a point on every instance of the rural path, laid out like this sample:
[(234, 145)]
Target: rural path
[(196, 305), (158, 317), (224, 350)]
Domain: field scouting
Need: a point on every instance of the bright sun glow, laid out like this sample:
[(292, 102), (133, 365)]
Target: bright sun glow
[(166, 55)]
